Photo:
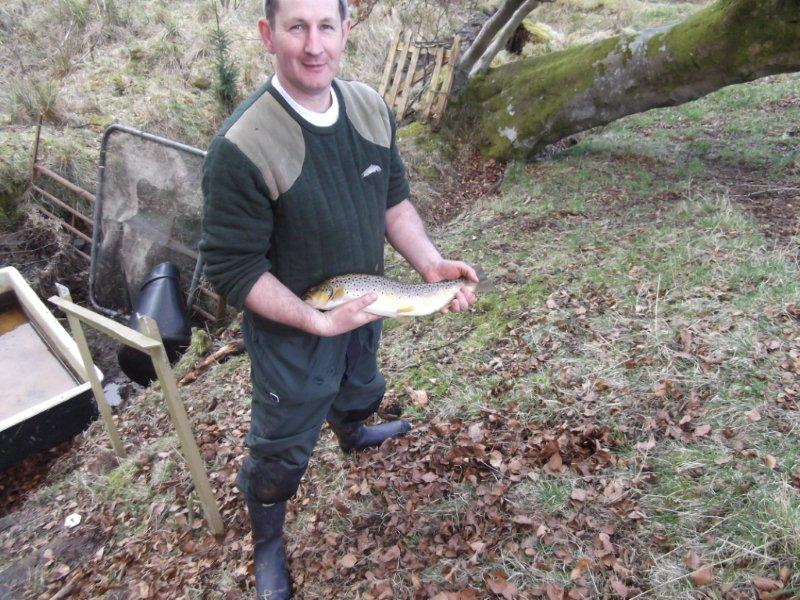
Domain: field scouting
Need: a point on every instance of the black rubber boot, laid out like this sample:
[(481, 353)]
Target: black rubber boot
[(269, 557), (357, 436)]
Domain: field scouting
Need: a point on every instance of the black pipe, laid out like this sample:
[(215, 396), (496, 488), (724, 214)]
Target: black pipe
[(160, 298)]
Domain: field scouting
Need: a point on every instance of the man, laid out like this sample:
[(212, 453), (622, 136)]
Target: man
[(304, 182)]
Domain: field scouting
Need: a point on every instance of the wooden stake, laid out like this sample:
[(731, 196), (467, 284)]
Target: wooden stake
[(148, 341), (387, 70), (91, 375), (36, 150), (177, 412), (449, 76), (412, 68), (398, 73), (432, 93)]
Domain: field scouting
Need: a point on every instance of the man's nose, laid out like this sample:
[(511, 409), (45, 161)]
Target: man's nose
[(313, 41)]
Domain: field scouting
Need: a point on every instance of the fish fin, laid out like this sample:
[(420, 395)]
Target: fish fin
[(338, 293), (405, 309), (484, 285)]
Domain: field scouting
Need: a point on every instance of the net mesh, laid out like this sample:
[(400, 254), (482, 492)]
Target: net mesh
[(150, 212)]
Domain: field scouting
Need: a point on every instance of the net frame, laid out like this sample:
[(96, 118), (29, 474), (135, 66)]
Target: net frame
[(97, 230)]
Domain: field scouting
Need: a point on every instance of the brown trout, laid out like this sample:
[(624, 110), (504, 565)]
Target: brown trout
[(395, 298)]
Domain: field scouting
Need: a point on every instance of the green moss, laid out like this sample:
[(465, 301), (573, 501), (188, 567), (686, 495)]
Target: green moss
[(731, 34), (544, 82), (420, 135)]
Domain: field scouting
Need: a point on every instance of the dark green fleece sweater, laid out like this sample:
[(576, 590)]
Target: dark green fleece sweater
[(300, 201)]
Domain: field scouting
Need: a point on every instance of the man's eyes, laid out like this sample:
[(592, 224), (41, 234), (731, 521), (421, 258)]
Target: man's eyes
[(301, 27)]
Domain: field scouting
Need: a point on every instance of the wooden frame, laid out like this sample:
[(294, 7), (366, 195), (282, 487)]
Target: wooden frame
[(408, 64), (148, 341)]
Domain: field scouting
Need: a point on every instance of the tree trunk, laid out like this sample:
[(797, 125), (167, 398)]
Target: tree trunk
[(517, 109), (501, 39), (484, 39)]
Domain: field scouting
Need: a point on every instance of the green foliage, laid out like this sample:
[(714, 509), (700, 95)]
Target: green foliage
[(34, 97), (74, 12), (226, 72)]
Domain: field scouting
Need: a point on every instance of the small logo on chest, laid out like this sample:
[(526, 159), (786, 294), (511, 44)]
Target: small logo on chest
[(370, 170)]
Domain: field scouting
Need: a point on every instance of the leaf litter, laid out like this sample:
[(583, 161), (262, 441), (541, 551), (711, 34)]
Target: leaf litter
[(614, 435)]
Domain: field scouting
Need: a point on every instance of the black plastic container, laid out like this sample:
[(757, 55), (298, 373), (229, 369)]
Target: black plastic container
[(160, 298)]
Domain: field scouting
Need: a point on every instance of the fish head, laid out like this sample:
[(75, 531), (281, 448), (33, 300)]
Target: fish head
[(323, 295)]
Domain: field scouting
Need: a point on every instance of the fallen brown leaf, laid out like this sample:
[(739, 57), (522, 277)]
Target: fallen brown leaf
[(702, 576), (578, 495), (784, 573), (419, 398), (348, 561), (703, 430), (691, 560), (619, 588), (765, 584), (554, 465)]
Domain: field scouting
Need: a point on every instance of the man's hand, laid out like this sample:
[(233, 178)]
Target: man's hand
[(449, 270), (346, 317)]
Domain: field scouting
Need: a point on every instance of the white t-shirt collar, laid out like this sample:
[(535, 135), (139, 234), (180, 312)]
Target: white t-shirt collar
[(324, 119)]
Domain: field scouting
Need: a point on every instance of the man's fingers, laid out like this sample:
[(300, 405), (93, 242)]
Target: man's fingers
[(469, 272), (366, 300), (469, 296), (360, 303)]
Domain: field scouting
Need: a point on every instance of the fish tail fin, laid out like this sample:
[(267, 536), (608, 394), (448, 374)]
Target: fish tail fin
[(484, 285)]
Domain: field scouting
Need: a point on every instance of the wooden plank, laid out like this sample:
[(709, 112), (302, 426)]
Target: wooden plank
[(453, 54), (387, 70), (64, 300), (65, 206), (398, 74), (180, 420), (412, 67), (121, 333), (65, 225), (66, 183), (434, 84)]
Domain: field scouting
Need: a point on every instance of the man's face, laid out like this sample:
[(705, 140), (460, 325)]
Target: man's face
[(307, 39)]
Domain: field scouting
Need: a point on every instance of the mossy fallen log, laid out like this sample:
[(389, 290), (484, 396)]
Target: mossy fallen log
[(517, 109)]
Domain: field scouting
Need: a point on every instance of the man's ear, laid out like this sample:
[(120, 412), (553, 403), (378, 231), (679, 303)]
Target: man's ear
[(265, 31), (345, 31)]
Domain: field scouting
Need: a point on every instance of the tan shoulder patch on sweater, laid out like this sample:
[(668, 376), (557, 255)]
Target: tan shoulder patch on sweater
[(270, 138), (367, 112)]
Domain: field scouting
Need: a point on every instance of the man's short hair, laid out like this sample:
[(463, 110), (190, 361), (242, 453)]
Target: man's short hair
[(270, 6)]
